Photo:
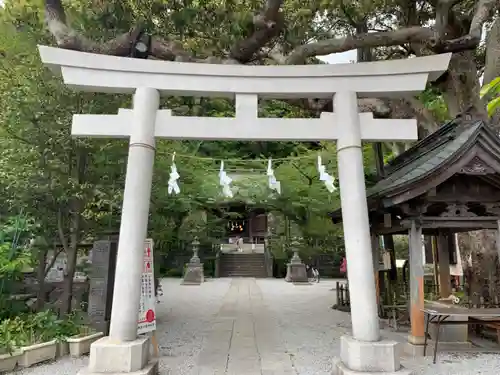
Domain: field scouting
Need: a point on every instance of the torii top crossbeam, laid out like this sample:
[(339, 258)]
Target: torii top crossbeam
[(111, 74), (102, 73)]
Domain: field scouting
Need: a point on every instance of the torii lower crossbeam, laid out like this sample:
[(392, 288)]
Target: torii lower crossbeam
[(248, 129)]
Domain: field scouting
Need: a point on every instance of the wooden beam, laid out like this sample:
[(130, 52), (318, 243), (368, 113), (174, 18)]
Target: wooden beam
[(455, 223)]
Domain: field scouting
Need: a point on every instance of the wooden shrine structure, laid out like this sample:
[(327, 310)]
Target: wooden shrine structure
[(447, 183)]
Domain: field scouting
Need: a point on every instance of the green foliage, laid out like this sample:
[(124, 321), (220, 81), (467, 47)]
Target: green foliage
[(15, 257), (434, 102), (401, 247), (491, 91), (29, 329)]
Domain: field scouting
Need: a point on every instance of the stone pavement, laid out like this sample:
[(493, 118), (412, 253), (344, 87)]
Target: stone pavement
[(245, 336), (260, 327)]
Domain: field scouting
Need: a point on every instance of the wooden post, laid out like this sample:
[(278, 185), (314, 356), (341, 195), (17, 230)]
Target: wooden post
[(416, 285), (376, 262), (435, 257), (498, 239), (444, 265)]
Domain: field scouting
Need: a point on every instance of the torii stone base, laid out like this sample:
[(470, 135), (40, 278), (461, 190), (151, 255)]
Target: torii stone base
[(110, 357), (377, 358)]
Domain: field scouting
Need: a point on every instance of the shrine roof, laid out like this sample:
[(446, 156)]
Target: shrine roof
[(426, 156), (435, 158)]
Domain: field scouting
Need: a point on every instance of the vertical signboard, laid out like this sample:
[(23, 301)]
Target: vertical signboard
[(147, 315)]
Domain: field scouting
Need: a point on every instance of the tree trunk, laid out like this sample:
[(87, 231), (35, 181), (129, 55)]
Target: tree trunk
[(492, 63), (71, 259), (76, 208), (40, 275), (461, 88)]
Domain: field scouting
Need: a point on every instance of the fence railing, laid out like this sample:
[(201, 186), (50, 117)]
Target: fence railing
[(343, 297)]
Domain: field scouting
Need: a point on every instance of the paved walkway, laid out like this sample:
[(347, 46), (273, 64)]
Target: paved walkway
[(260, 327), (245, 337)]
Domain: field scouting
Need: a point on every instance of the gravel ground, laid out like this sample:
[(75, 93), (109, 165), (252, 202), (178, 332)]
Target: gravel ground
[(310, 331)]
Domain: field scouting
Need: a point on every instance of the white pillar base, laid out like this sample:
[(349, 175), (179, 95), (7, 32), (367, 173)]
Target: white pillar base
[(109, 356), (362, 357), (340, 369)]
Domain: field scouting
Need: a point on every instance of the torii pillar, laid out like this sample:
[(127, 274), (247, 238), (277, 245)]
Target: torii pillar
[(123, 351)]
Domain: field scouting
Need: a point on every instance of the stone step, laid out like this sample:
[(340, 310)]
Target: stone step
[(243, 265)]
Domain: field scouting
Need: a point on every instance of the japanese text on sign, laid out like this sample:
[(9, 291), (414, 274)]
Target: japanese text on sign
[(147, 315)]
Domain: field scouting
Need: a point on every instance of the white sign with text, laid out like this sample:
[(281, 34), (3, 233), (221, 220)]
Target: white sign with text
[(147, 314)]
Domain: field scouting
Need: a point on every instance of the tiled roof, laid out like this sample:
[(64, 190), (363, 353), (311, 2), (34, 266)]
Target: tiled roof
[(433, 153), (426, 156)]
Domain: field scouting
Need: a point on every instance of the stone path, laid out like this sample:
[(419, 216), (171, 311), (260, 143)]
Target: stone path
[(260, 327), (245, 337)]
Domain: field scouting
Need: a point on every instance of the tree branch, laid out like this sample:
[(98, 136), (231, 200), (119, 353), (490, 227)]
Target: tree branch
[(483, 11), (381, 39), (412, 34), (309, 179), (68, 38), (53, 260), (267, 25)]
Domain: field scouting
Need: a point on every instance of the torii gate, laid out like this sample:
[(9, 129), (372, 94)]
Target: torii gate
[(147, 80)]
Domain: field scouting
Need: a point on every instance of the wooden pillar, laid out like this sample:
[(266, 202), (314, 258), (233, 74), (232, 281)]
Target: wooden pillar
[(498, 239), (416, 284), (376, 263), (444, 265), (435, 262)]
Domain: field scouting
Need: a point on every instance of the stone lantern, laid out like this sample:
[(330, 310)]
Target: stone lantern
[(296, 270), (195, 259), (194, 269)]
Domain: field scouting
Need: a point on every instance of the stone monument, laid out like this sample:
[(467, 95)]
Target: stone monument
[(194, 269), (102, 277), (296, 270)]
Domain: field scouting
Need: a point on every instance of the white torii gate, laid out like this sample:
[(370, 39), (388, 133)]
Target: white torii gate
[(147, 80)]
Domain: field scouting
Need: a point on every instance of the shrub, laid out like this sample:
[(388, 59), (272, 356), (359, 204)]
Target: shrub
[(29, 329)]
